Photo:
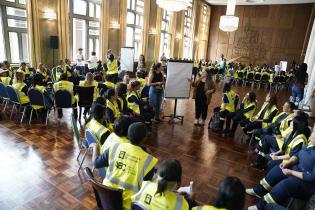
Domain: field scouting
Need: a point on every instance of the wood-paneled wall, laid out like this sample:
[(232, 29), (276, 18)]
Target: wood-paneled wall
[(266, 34)]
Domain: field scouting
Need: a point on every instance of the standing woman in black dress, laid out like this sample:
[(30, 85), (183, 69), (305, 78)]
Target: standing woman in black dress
[(156, 82)]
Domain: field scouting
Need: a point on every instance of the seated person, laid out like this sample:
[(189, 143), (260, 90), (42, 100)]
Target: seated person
[(140, 164), (294, 178), (279, 123), (112, 110), (4, 77), (69, 69), (64, 84), (21, 87), (246, 111), (7, 66), (228, 105), (90, 82), (264, 117), (231, 196), (41, 69), (112, 68), (119, 134), (24, 68), (97, 124), (121, 99), (61, 68), (136, 103), (295, 135), (37, 83), (162, 191)]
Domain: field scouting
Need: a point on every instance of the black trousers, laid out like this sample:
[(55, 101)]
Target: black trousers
[(201, 108), (249, 126), (75, 111), (237, 117), (223, 115)]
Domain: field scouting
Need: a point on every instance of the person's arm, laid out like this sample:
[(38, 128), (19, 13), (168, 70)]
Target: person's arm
[(292, 161), (101, 161), (271, 116), (134, 99), (250, 108)]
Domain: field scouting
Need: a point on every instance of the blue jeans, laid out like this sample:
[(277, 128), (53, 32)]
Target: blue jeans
[(297, 93), (155, 100)]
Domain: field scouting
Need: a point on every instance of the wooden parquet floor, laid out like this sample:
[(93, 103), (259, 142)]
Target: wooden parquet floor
[(38, 168)]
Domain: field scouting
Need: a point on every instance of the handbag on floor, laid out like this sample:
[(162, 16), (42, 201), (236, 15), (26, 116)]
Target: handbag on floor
[(215, 120)]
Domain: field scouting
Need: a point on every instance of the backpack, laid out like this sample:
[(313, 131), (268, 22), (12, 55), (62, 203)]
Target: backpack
[(215, 120)]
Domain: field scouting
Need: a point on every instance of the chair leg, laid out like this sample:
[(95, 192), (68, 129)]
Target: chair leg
[(12, 111), (24, 110), (84, 155), (31, 115), (5, 105), (80, 112), (79, 155), (47, 114)]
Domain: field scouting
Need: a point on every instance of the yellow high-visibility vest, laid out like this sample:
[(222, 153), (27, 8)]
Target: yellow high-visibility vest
[(65, 85), (207, 208), (128, 165), (94, 84), (114, 108), (132, 105), (112, 67), (250, 113), (112, 139), (23, 98), (5, 80), (231, 95), (42, 90), (267, 113), (168, 200), (97, 129)]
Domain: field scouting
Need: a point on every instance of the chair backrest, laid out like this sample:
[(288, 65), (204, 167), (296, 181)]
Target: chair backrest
[(240, 74), (76, 131), (138, 206), (3, 91), (85, 95), (90, 137), (63, 99), (13, 94), (257, 76), (265, 77), (36, 97), (107, 198), (276, 79)]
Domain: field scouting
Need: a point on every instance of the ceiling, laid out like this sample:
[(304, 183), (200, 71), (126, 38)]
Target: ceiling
[(260, 2)]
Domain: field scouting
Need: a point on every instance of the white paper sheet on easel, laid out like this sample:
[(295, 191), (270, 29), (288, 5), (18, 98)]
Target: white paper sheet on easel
[(127, 58)]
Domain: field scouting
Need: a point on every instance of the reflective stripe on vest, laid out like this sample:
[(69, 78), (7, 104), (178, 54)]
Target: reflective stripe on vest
[(132, 105), (97, 129), (265, 184), (23, 98), (231, 95), (266, 114), (110, 170), (250, 113), (114, 108), (296, 141), (269, 199), (286, 123), (139, 194)]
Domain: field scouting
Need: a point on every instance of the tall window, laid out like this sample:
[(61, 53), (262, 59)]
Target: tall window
[(13, 31), (165, 34), (85, 17), (187, 52), (204, 18), (203, 35), (135, 10)]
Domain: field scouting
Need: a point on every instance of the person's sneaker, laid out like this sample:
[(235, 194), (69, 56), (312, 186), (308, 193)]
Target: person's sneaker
[(252, 208), (250, 191), (196, 122)]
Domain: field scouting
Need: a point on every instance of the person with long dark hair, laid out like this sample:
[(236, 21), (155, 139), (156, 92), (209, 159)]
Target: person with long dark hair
[(293, 178), (161, 191), (112, 110), (156, 82), (264, 117), (300, 80), (231, 196), (204, 87)]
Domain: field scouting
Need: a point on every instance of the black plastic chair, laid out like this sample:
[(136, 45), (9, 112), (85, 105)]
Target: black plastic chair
[(37, 98), (85, 98), (249, 78), (4, 95), (107, 198), (15, 100), (63, 99), (264, 80), (138, 206)]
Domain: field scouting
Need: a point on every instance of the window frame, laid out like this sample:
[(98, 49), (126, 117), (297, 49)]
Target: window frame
[(166, 45), (87, 19), (188, 21), (135, 26), (6, 29)]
